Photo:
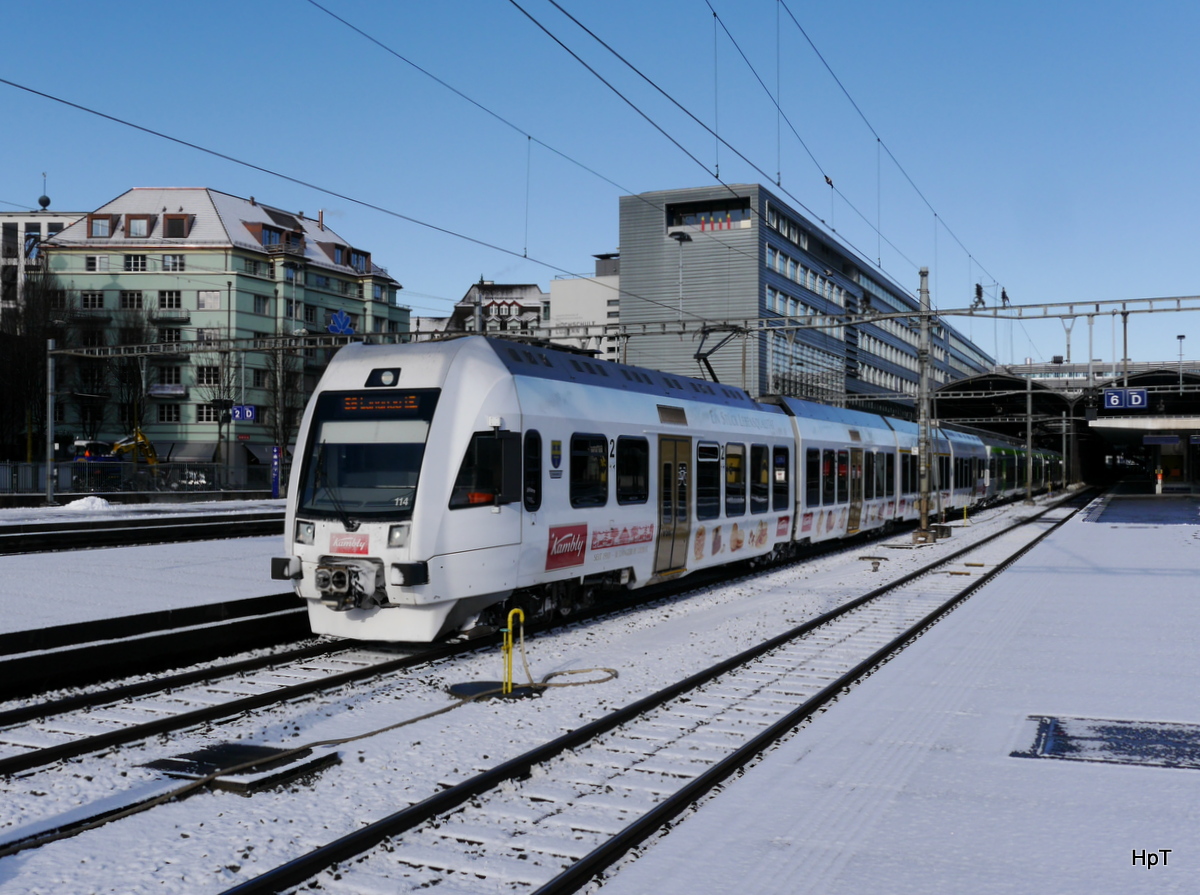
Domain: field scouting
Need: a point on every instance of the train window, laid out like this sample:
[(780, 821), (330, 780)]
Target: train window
[(868, 476), (889, 474), (843, 476), (633, 470), (760, 478), (828, 479), (589, 470), (735, 479), (533, 470), (812, 478), (779, 481), (490, 471), (708, 481)]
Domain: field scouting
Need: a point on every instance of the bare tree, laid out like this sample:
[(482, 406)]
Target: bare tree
[(217, 383), (286, 394), (128, 373), (42, 311)]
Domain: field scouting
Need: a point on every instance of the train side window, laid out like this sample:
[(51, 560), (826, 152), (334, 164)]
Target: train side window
[(490, 473), (760, 478), (633, 470), (708, 480), (828, 479), (843, 476), (735, 480), (779, 480), (889, 474), (868, 475), (812, 478), (589, 471), (533, 470)]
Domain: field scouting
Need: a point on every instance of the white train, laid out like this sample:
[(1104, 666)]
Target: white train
[(436, 484)]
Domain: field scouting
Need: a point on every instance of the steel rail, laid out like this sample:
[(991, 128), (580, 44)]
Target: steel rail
[(295, 872)]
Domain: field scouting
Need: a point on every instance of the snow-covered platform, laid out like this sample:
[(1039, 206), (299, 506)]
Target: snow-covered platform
[(40, 590), (1045, 737)]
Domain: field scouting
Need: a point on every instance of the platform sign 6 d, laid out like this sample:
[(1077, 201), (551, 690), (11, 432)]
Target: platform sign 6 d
[(1125, 399)]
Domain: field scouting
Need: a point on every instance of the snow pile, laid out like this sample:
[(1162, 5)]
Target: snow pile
[(90, 504)]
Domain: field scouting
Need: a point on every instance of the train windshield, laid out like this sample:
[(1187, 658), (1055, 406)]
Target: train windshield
[(364, 454)]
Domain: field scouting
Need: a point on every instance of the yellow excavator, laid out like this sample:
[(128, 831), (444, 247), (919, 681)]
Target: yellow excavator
[(139, 446)]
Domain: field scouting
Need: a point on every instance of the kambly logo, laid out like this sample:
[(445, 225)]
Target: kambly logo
[(349, 543), (566, 546)]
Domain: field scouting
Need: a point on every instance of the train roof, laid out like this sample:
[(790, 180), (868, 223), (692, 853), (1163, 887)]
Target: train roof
[(523, 359), (828, 413)]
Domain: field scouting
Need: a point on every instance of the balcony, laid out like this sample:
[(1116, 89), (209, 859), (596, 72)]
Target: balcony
[(169, 315), (286, 247)]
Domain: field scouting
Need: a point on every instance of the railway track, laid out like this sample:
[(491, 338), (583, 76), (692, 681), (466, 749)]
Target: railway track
[(56, 744), (85, 654), (550, 820), (168, 528)]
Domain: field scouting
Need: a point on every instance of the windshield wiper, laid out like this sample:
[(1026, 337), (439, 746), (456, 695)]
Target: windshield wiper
[(319, 482)]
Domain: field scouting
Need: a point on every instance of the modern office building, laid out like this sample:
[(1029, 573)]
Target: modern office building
[(188, 267), (755, 270), (21, 237)]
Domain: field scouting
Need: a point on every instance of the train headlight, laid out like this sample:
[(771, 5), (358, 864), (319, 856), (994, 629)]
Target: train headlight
[(397, 536), (306, 532)]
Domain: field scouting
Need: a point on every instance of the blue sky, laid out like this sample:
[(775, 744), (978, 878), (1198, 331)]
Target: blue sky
[(1055, 142)]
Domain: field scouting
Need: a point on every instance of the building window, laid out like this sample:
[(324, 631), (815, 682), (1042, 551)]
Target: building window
[(260, 378), (208, 334), (171, 375), (260, 304), (135, 262), (172, 262), (208, 375), (310, 314), (320, 281), (99, 226), (339, 255), (207, 413), (170, 334), (170, 299), (358, 260), (91, 301), (96, 262), (208, 300), (168, 413), (271, 236), (131, 301), (377, 292), (137, 227), (175, 226)]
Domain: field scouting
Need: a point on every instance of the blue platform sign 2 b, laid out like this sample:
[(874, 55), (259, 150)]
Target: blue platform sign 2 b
[(1125, 399)]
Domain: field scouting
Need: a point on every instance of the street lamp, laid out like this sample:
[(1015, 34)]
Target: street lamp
[(681, 237), (1180, 338)]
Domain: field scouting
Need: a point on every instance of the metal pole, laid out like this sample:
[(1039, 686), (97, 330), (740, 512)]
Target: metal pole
[(50, 422), (1029, 440), (923, 401), (1125, 345), (681, 237), (1180, 338)]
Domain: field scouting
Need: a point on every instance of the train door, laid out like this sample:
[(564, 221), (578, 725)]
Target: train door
[(856, 490), (674, 506)]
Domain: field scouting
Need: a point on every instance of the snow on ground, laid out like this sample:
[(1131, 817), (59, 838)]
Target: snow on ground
[(905, 785), (92, 507), (39, 590), (908, 784)]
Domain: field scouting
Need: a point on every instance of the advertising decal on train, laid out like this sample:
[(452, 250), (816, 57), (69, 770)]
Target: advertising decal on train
[(349, 543), (566, 546)]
